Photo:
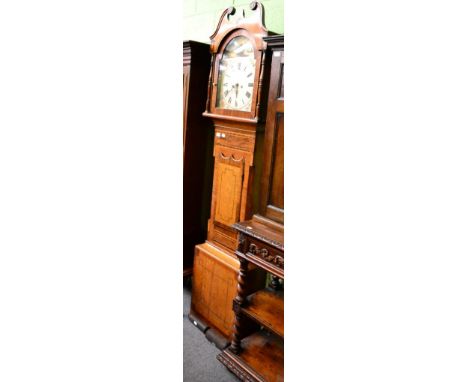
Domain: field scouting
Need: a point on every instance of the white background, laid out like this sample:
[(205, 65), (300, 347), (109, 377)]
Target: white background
[(91, 191)]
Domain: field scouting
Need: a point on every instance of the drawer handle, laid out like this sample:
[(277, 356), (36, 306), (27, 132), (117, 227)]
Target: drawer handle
[(220, 135)]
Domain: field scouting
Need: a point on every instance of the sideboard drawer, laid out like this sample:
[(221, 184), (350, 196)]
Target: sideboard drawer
[(260, 250)]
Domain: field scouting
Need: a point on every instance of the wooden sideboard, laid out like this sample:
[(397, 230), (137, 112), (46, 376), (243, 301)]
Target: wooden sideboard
[(258, 356)]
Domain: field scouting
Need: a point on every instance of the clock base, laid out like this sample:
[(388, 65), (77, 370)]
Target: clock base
[(214, 287)]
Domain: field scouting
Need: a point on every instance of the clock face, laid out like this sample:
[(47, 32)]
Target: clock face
[(236, 75)]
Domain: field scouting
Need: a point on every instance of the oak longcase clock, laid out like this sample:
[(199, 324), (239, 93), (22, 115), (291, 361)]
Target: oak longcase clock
[(235, 105)]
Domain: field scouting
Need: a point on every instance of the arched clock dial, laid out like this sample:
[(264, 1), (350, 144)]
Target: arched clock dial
[(236, 75)]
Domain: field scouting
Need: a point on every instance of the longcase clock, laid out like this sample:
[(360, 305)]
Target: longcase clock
[(236, 106)]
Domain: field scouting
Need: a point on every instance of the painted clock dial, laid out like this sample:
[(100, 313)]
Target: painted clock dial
[(236, 75)]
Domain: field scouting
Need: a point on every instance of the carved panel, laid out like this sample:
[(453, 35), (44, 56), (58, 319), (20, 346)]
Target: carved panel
[(267, 255), (235, 369)]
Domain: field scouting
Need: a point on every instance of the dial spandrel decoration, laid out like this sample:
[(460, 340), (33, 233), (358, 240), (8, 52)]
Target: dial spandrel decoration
[(236, 75)]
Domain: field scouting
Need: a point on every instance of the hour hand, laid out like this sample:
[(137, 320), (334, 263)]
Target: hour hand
[(228, 90)]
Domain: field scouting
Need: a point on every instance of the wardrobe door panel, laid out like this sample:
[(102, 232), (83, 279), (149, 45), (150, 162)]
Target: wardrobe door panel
[(272, 195)]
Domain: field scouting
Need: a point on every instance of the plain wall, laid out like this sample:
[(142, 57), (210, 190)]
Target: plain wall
[(202, 16)]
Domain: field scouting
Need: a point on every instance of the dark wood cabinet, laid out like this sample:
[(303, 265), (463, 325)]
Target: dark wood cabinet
[(272, 179), (197, 145), (259, 355)]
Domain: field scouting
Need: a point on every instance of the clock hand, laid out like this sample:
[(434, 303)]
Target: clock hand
[(228, 94), (227, 88), (232, 88)]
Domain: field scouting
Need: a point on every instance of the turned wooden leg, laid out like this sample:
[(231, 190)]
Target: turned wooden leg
[(237, 304), (274, 282)]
